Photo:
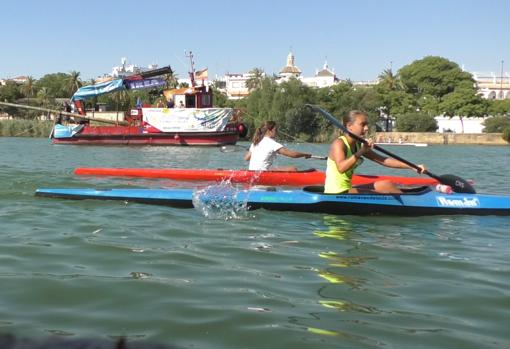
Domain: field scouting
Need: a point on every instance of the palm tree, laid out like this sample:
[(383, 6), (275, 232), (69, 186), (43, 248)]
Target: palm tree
[(390, 80), (74, 82), (171, 80), (255, 81), (29, 88), (44, 97)]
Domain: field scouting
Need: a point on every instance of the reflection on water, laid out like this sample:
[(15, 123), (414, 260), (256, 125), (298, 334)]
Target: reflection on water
[(342, 270), (336, 260), (336, 228)]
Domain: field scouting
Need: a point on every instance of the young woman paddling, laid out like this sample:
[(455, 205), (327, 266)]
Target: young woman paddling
[(264, 148), (346, 154)]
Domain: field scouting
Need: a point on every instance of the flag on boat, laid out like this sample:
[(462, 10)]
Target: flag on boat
[(201, 74)]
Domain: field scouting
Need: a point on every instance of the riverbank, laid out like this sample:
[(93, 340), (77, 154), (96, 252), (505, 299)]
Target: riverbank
[(38, 128), (442, 138), (25, 128)]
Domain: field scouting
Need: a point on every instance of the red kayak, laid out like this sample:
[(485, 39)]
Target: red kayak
[(297, 178)]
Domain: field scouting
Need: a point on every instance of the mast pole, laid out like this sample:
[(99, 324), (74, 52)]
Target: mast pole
[(501, 80), (192, 72)]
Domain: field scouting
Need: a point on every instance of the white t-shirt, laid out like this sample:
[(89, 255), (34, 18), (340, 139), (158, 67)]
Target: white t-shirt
[(263, 154)]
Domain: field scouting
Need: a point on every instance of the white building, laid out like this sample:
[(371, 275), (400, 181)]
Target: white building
[(235, 85), (455, 124), (18, 80), (323, 78), (290, 70), (492, 86), (129, 69)]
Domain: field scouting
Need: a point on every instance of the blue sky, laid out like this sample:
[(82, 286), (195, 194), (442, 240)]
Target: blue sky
[(359, 39)]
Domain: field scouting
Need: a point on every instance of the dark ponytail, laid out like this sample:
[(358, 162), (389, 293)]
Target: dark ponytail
[(261, 131)]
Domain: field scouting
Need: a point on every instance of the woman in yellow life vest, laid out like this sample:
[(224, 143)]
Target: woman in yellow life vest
[(345, 155)]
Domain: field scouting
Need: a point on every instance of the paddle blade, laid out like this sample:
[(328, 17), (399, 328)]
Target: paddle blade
[(459, 185)]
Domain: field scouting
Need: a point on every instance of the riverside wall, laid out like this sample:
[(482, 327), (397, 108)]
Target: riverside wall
[(442, 138)]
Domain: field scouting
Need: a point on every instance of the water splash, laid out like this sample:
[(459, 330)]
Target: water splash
[(219, 201)]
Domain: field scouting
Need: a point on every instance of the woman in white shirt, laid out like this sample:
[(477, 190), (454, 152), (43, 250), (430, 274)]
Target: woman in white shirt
[(264, 149)]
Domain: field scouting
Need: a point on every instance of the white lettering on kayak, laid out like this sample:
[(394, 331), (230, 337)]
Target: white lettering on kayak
[(461, 202)]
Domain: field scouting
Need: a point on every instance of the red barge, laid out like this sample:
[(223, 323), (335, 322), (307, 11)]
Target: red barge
[(194, 122)]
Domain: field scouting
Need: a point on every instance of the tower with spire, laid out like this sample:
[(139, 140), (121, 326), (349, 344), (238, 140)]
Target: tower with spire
[(290, 70)]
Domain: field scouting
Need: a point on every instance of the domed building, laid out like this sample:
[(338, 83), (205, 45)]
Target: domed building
[(290, 70), (323, 78)]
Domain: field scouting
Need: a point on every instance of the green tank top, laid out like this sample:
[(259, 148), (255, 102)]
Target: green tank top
[(336, 182)]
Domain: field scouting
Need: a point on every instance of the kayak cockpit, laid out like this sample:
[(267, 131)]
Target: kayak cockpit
[(319, 189)]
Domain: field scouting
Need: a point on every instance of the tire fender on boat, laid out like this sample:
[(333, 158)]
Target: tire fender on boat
[(242, 130)]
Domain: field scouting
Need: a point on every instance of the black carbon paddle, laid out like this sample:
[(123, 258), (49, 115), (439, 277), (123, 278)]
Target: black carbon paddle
[(459, 185)]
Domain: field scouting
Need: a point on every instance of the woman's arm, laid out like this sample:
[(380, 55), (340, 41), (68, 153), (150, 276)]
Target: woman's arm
[(247, 156), (390, 162), (292, 153)]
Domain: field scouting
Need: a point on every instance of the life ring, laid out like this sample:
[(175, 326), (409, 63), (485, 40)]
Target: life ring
[(242, 130)]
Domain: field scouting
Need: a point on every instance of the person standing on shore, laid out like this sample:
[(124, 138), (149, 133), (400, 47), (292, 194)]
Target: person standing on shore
[(264, 149)]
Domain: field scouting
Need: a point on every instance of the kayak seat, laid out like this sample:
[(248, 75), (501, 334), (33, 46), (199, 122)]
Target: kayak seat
[(314, 189)]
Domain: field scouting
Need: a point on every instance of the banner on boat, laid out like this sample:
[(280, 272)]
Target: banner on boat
[(145, 83), (90, 91), (187, 120), (61, 131), (102, 88)]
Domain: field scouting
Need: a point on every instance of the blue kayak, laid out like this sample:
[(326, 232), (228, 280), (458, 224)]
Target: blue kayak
[(415, 202)]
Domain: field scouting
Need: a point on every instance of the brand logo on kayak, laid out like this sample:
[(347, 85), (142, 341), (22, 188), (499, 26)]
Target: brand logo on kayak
[(461, 202)]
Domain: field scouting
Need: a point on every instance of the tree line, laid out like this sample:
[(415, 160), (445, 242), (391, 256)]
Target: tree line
[(412, 96)]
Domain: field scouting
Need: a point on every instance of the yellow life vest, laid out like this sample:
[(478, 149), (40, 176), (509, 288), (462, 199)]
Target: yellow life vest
[(337, 182)]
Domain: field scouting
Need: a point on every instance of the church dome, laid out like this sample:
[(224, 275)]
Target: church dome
[(290, 68)]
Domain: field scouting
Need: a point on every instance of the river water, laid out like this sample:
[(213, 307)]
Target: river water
[(103, 269)]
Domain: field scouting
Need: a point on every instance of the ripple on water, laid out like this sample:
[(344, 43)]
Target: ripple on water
[(294, 280)]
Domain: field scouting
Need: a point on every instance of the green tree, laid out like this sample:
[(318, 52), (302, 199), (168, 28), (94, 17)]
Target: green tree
[(44, 97), (73, 82), (171, 80), (416, 122), (56, 85), (433, 76), (463, 102), (499, 107), (506, 134), (496, 124), (393, 99), (10, 92), (389, 80), (28, 88), (220, 100), (255, 81)]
